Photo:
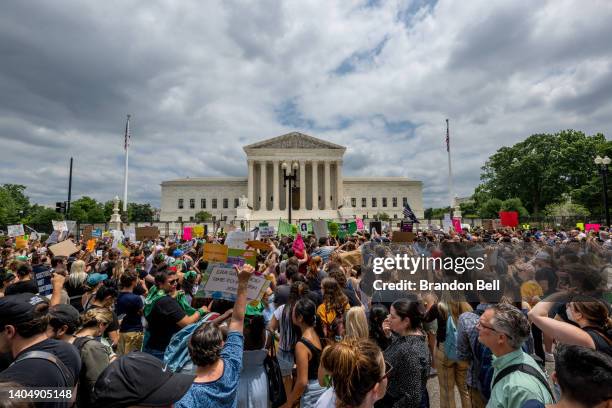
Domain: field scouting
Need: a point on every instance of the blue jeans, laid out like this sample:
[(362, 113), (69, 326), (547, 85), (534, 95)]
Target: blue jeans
[(159, 354)]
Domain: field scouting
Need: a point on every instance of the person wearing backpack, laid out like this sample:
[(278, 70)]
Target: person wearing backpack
[(95, 356), (452, 370), (331, 311), (517, 377), (591, 315)]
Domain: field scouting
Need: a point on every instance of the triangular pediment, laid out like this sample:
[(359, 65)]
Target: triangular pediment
[(294, 140)]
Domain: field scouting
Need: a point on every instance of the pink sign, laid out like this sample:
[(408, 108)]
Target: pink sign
[(187, 233), (457, 224), (594, 227), (359, 222)]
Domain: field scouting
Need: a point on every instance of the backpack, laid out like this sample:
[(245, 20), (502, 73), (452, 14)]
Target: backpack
[(450, 343), (176, 356), (527, 369), (334, 330), (69, 379)]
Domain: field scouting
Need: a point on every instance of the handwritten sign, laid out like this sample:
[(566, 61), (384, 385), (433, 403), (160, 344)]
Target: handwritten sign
[(60, 226), (220, 281), (267, 231), (15, 230), (215, 253), (236, 239)]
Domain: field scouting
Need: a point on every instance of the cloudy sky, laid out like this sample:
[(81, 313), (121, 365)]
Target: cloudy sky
[(203, 79)]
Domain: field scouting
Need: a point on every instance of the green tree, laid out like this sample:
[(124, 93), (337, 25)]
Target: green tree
[(436, 213), (469, 209), (541, 168), (566, 209), (86, 210), (382, 216), (139, 212), (40, 218), (514, 204), (490, 208), (203, 216), (14, 204)]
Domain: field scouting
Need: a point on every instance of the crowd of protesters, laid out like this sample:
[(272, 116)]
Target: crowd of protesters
[(126, 326)]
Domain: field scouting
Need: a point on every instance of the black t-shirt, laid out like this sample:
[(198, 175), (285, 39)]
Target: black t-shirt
[(28, 286), (129, 306), (37, 372), (163, 321), (76, 296)]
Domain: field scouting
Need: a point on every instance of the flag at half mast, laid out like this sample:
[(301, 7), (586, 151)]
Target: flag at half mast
[(409, 214)]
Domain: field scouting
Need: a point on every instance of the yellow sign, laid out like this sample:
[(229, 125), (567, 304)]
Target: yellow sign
[(91, 245), (580, 226), (215, 253), (21, 242), (198, 231)]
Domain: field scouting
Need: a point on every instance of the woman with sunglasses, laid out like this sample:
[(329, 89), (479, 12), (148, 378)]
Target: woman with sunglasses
[(410, 356), (358, 373)]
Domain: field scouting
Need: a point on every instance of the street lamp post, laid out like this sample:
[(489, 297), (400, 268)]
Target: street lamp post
[(603, 170), (292, 178)]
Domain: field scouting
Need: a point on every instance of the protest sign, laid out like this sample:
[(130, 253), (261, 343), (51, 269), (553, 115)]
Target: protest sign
[(377, 225), (64, 248), (91, 245), (266, 231), (220, 281), (60, 226), (71, 225), (21, 243), (305, 228), (406, 226), (97, 233), (43, 281), (333, 228), (15, 230), (145, 233), (447, 223), (236, 239), (487, 225), (580, 226), (240, 256), (319, 228), (359, 223), (508, 218), (124, 251), (198, 231), (53, 238), (130, 233), (87, 233), (99, 253), (187, 233), (457, 224), (284, 228), (399, 236), (259, 245), (594, 227), (215, 253)]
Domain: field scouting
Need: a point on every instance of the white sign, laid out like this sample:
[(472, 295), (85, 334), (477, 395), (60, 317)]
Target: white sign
[(130, 232), (15, 230), (60, 226), (447, 223), (221, 282), (267, 232), (236, 239), (319, 228)]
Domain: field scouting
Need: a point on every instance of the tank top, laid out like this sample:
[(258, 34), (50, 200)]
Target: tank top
[(313, 363)]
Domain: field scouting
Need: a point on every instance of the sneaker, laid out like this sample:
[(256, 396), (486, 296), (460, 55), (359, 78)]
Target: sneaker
[(549, 357)]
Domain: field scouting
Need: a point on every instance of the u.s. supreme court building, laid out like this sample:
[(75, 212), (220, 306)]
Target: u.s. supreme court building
[(320, 191)]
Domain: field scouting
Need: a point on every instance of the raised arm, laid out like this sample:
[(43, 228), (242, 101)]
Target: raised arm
[(237, 321), (563, 332)]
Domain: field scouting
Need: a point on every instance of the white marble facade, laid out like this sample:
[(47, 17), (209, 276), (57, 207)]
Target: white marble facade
[(320, 191)]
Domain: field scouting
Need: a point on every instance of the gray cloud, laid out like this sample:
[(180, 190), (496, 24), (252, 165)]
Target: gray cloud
[(203, 80)]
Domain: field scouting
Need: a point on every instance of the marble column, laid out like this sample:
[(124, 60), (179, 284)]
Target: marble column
[(327, 184), (263, 206), (339, 185), (302, 185), (315, 185), (251, 184), (276, 193)]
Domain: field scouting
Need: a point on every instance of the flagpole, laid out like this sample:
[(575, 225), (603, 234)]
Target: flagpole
[(127, 156), (450, 172)]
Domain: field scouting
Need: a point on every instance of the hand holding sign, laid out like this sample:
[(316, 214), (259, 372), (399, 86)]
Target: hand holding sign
[(244, 272)]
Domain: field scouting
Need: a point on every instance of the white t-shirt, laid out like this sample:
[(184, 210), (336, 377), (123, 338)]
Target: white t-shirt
[(327, 399)]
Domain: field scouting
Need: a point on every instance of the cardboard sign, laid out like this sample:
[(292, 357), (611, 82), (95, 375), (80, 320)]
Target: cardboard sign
[(144, 233), (64, 248), (399, 236), (87, 233), (15, 230), (319, 228), (43, 281), (220, 281), (240, 256), (267, 232), (21, 243), (215, 253), (91, 245), (259, 245), (237, 239), (60, 226)]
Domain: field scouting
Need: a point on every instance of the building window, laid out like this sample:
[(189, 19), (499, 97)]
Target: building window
[(353, 202), (394, 201), (225, 203), (374, 202), (192, 203), (180, 204), (404, 201), (203, 203), (236, 202), (214, 203), (394, 215), (180, 219), (364, 202), (191, 219), (384, 201)]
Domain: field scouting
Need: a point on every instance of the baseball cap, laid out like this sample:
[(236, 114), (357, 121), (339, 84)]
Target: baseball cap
[(122, 383), (65, 314), (20, 308), (96, 278)]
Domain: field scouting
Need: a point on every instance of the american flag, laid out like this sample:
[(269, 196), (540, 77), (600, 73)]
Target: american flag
[(409, 214), (447, 138), (127, 133)]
